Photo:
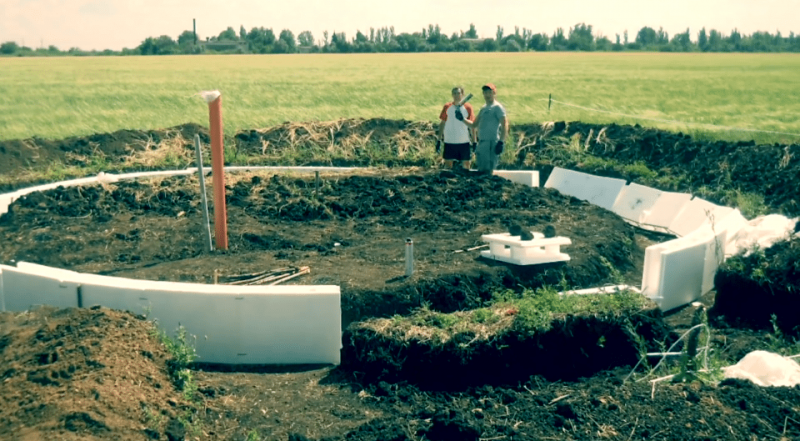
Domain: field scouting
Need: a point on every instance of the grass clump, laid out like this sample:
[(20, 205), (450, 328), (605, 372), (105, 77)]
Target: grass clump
[(523, 314)]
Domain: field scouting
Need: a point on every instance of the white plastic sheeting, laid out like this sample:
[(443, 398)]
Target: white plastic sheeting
[(596, 190), (766, 369), (763, 232), (233, 324)]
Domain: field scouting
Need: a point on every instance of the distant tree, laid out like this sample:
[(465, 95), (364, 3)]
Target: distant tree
[(581, 38), (361, 38), (512, 45), (186, 38), (288, 37), (52, 49), (626, 37), (472, 32), (499, 33), (242, 33), (646, 36), (488, 45), (602, 43), (539, 42), (702, 40), (559, 41), (306, 39), (8, 48), (228, 35)]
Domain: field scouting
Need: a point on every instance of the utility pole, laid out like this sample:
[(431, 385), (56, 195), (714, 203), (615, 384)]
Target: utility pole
[(194, 30)]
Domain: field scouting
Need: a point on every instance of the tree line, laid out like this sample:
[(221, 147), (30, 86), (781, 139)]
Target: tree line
[(581, 37)]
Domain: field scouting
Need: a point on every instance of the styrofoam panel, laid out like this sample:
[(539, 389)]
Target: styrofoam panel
[(730, 224), (697, 213), (681, 275), (524, 177), (25, 288), (290, 324), (634, 200), (666, 209), (651, 276), (596, 190)]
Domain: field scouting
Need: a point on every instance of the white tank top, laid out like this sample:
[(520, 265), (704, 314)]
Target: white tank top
[(455, 131)]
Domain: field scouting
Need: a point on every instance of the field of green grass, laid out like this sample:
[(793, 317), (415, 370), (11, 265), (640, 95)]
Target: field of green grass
[(60, 97)]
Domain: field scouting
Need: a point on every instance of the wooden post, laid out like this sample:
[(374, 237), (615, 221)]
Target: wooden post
[(549, 102), (218, 174)]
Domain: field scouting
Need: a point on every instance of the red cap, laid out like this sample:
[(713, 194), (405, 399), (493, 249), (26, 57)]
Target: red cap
[(489, 86)]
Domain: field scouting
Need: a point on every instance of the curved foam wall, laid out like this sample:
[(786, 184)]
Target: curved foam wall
[(296, 324)]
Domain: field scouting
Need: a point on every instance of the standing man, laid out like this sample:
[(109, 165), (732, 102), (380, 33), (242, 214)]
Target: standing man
[(492, 125), (455, 135)]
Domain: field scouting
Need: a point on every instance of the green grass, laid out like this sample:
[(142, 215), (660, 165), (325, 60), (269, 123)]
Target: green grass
[(60, 97), (524, 314)]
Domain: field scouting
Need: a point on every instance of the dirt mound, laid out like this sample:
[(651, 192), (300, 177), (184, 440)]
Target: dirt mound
[(503, 344), (38, 152), (84, 374), (601, 407), (343, 142), (669, 161), (751, 289)]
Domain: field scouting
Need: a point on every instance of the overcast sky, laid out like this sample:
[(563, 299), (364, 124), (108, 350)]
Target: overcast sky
[(114, 24)]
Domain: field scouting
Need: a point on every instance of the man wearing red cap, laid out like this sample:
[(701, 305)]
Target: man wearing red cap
[(492, 125)]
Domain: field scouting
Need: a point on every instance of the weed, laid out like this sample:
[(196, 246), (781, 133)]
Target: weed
[(253, 436), (183, 355)]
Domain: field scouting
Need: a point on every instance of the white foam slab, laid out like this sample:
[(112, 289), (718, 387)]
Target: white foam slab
[(596, 190), (6, 200), (665, 210), (681, 275), (697, 213), (524, 177), (634, 200), (23, 289), (651, 276), (291, 324)]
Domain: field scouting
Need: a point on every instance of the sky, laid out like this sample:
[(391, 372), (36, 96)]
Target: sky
[(114, 24)]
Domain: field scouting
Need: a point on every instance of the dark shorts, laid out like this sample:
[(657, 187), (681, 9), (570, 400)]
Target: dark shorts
[(456, 152)]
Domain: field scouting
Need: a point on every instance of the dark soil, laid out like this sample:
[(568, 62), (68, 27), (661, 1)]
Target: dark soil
[(90, 374), (751, 289), (574, 346), (679, 162), (80, 374), (152, 230), (38, 152)]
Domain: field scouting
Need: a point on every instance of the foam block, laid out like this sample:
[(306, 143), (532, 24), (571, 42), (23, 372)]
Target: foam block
[(695, 214), (651, 276), (524, 177), (665, 210), (634, 200), (25, 288), (681, 274), (596, 190)]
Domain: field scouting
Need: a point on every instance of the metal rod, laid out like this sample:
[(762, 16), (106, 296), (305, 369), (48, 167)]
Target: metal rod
[(199, 154), (80, 296), (409, 257), (549, 102), (316, 182)]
